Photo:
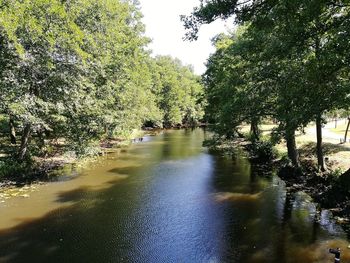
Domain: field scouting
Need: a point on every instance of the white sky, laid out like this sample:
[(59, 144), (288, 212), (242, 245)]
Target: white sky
[(163, 26)]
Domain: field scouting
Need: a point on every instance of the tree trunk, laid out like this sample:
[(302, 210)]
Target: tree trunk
[(12, 131), (254, 129), (346, 131), (41, 139), (292, 148), (320, 159), (24, 142)]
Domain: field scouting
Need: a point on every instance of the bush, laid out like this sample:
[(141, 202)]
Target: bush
[(212, 142), (87, 149), (4, 126), (264, 150), (284, 160), (12, 168), (249, 136)]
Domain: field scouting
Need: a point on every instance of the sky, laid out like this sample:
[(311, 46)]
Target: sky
[(163, 26)]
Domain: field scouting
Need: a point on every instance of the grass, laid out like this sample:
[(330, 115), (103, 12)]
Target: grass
[(341, 128)]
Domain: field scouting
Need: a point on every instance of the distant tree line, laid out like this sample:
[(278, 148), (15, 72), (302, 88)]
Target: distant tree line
[(80, 71), (288, 61)]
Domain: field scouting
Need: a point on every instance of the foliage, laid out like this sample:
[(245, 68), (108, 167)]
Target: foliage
[(12, 168), (263, 150), (79, 71), (179, 91), (286, 61)]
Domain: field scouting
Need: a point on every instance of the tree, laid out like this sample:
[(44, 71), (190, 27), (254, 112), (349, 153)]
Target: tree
[(41, 45), (80, 71), (308, 30), (179, 92)]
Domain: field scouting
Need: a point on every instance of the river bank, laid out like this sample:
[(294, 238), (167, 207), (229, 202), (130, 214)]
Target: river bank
[(45, 169), (42, 170), (330, 190)]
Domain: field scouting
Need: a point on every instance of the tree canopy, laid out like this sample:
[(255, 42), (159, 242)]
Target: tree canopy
[(288, 61), (81, 71)]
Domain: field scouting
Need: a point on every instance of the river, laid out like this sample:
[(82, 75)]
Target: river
[(167, 199)]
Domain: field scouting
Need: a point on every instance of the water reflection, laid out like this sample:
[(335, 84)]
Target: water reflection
[(168, 200)]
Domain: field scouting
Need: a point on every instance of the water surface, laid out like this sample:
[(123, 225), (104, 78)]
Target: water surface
[(167, 199)]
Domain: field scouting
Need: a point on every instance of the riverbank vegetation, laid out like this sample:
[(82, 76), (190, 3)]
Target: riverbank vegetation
[(287, 63), (75, 73)]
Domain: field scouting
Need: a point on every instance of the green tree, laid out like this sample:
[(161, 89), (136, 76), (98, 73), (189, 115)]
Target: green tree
[(179, 92), (41, 53), (307, 34), (80, 71)]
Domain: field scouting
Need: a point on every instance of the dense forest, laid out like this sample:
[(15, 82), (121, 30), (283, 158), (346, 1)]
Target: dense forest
[(73, 73), (287, 61)]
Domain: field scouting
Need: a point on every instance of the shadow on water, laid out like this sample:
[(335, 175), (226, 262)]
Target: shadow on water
[(33, 239), (124, 170), (267, 224), (177, 204), (75, 195), (61, 235)]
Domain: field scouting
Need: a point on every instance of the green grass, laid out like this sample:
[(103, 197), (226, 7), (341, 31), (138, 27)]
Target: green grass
[(341, 128)]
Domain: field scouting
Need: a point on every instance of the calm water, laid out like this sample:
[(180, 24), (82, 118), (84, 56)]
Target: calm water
[(167, 200)]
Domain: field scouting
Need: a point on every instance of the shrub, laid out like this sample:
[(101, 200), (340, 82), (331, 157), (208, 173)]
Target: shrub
[(264, 150), (81, 150), (12, 168)]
